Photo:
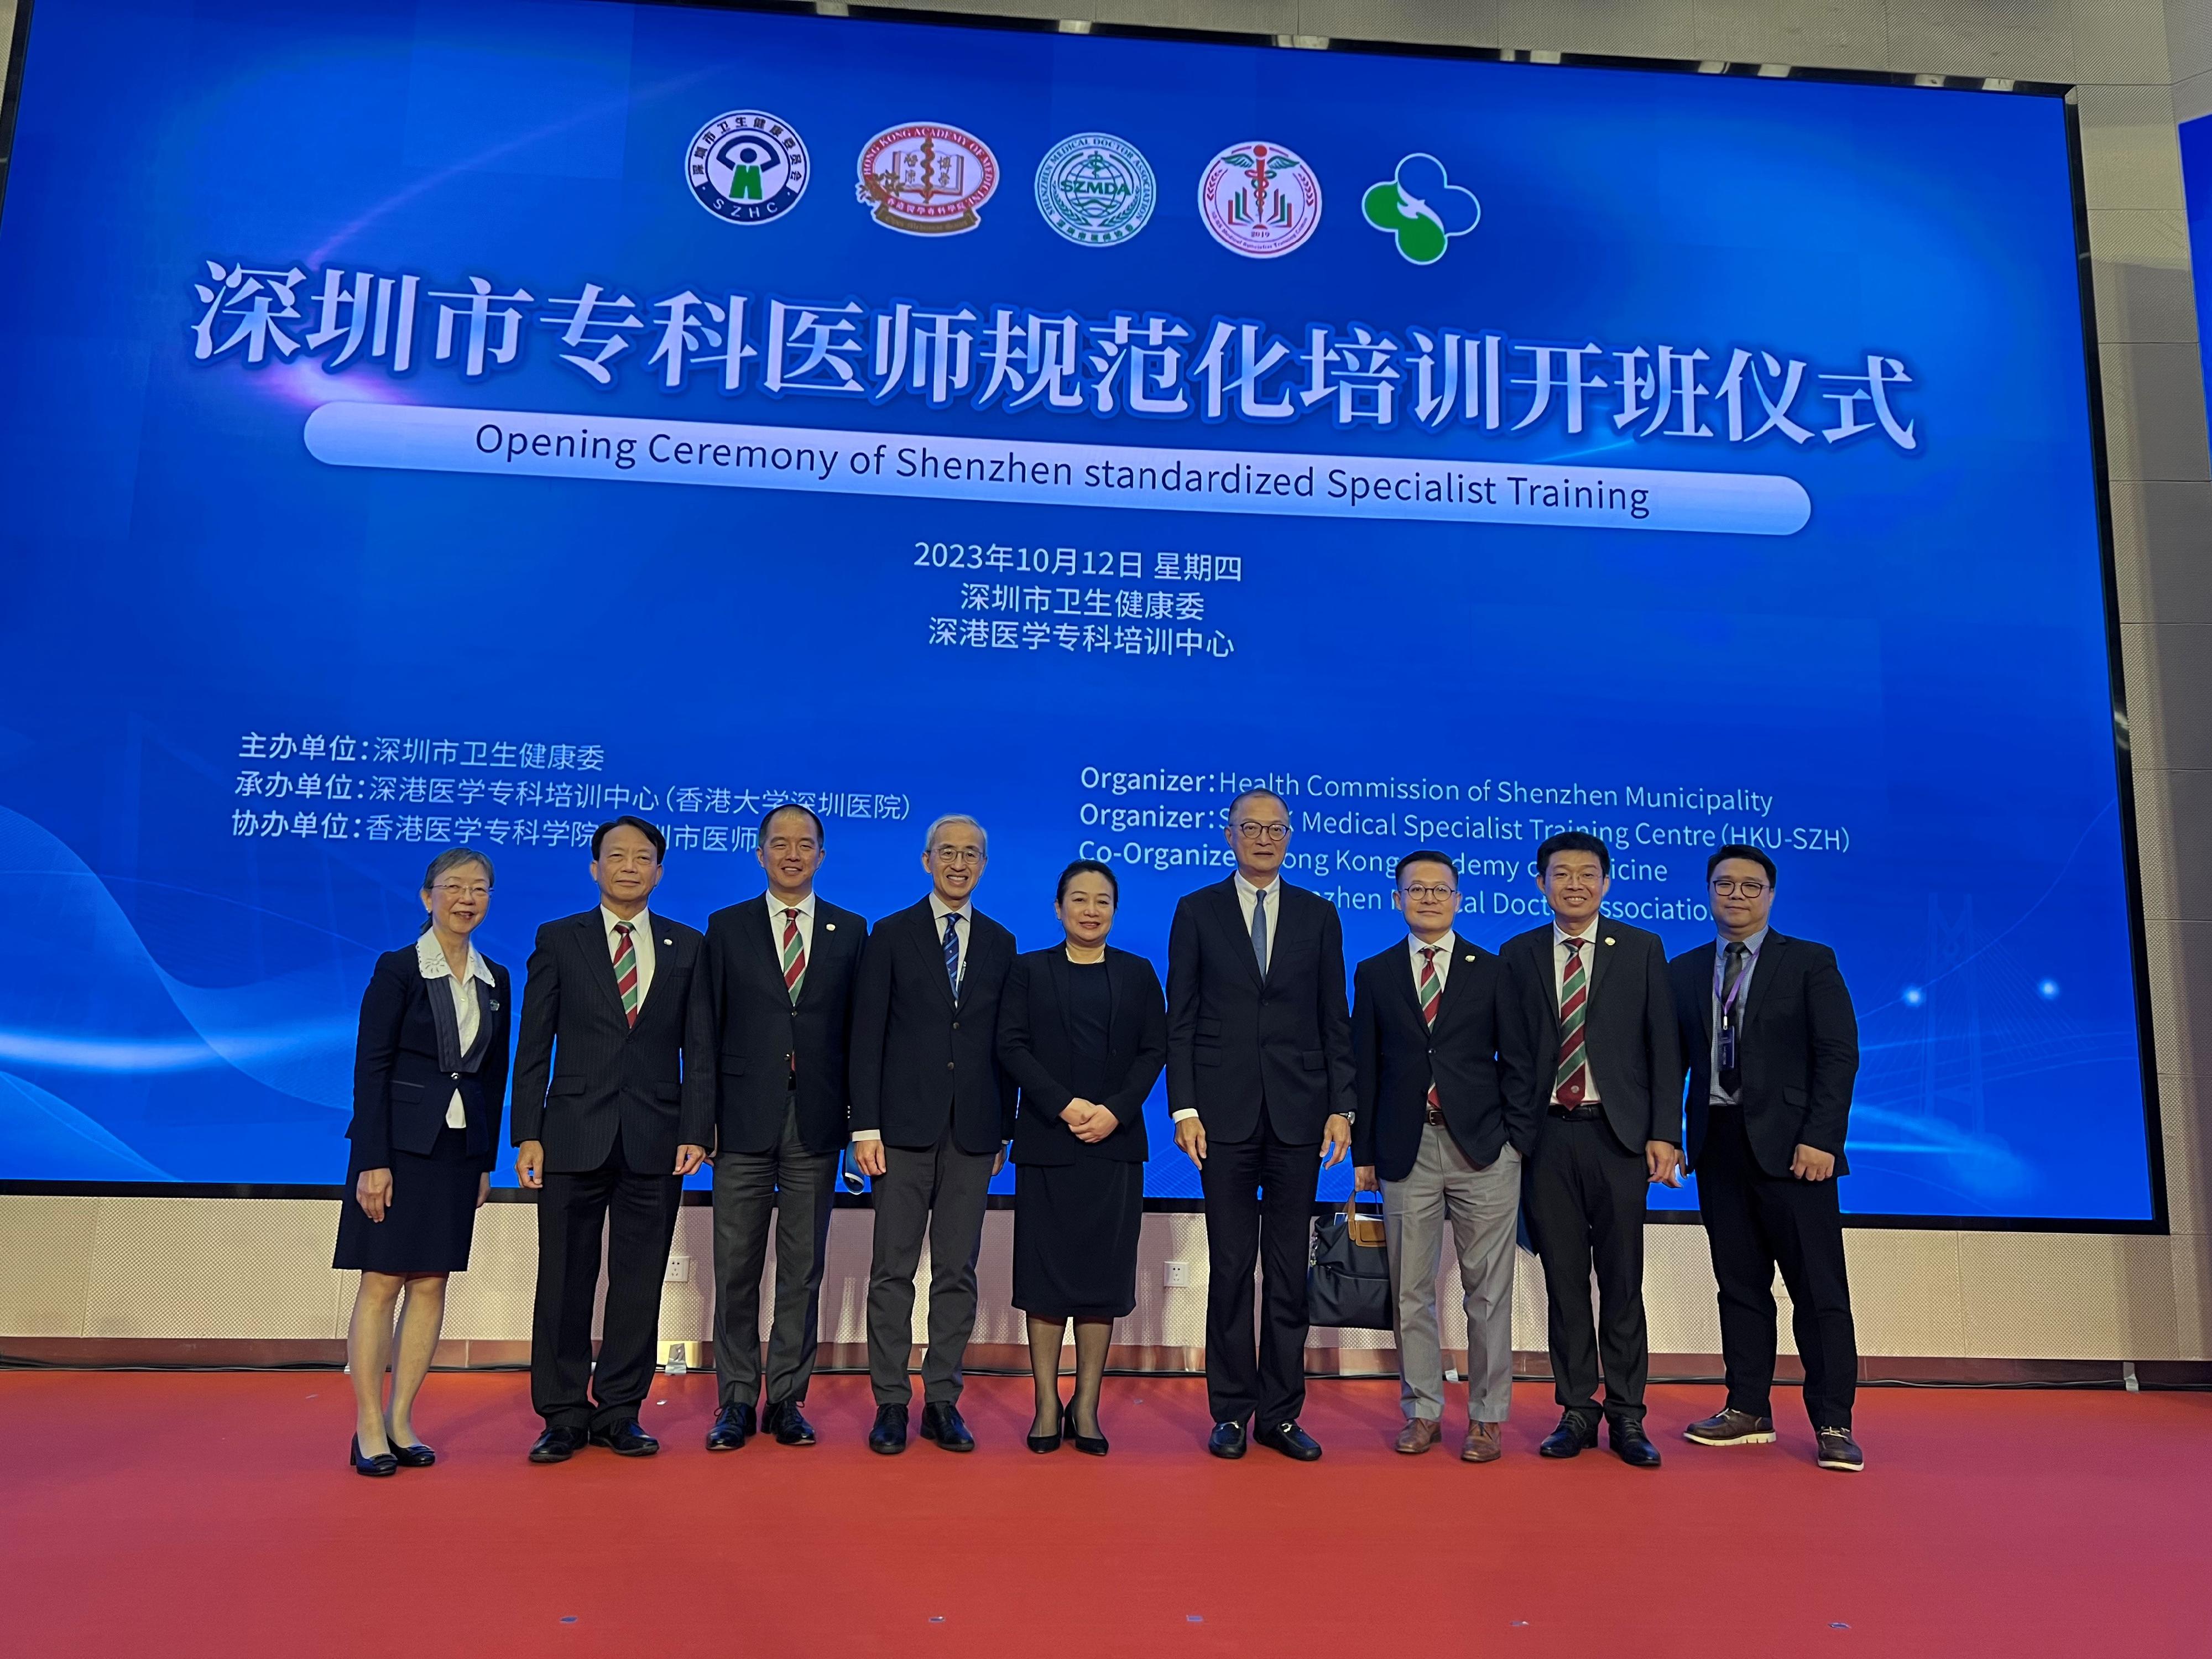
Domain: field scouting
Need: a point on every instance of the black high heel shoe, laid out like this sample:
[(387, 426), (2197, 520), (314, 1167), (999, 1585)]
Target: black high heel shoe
[(417, 1457), (1090, 1445), (1049, 1442), (378, 1466)]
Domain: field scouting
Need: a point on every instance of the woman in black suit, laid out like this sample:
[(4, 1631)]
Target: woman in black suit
[(429, 1078), (1084, 1030)]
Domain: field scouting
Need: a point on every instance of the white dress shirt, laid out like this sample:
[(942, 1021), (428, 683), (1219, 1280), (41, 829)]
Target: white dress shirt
[(1443, 947), (776, 907), (1246, 896), (938, 909), (1715, 1095), (1588, 936), (431, 958), (640, 941)]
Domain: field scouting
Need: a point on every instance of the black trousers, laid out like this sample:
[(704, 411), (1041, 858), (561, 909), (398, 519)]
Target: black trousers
[(1259, 1208), (1754, 1224), (638, 1214), (1583, 1196), (796, 1185)]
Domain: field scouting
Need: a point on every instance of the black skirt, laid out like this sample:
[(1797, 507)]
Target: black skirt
[(1076, 1227), (430, 1221)]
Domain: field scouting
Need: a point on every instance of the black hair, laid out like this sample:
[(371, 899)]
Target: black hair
[(627, 822), (769, 817), (452, 859), (1425, 855), (1736, 851), (1087, 867), (1244, 795), (1573, 840)]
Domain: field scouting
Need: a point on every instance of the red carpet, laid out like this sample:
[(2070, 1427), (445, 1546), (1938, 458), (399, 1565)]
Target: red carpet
[(214, 1515)]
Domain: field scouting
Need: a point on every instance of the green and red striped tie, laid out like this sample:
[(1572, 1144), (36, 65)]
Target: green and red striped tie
[(626, 969), (1569, 1084), (794, 954)]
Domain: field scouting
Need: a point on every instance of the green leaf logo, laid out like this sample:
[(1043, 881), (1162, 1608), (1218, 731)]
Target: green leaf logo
[(1422, 208)]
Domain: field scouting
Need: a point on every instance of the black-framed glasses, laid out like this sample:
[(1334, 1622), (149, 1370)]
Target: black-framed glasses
[(1423, 891), (1253, 830), (1730, 887)]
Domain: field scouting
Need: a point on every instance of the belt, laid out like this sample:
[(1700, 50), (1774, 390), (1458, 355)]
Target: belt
[(1589, 1114), (1436, 1113)]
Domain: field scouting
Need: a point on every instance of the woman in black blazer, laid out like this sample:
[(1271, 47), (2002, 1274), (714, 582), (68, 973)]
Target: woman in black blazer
[(429, 1078), (1084, 1030)]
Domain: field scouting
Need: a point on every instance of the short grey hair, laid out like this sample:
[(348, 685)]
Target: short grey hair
[(929, 835)]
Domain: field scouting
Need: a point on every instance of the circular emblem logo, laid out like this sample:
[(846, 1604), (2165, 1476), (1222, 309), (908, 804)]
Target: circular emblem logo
[(1259, 200), (926, 180), (1096, 189), (747, 167)]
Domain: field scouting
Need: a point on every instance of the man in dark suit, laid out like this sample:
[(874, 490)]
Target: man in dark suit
[(1259, 1083), (778, 985), (931, 1116), (1773, 1047), (1593, 1056), (1438, 1136), (614, 1105)]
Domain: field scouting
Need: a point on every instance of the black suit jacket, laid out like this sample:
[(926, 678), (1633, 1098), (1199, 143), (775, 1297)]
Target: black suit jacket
[(1628, 1030), (1038, 1053), (400, 1090), (1397, 1057), (582, 1072), (1246, 1053), (919, 1059), (775, 1054), (1797, 1049)]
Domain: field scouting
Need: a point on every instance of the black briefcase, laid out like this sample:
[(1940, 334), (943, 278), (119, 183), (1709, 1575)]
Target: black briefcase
[(1348, 1280)]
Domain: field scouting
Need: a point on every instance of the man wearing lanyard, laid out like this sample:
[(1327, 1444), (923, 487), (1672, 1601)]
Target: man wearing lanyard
[(1773, 1046)]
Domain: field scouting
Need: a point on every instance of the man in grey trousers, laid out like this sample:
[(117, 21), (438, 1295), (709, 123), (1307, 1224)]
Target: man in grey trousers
[(1438, 1136)]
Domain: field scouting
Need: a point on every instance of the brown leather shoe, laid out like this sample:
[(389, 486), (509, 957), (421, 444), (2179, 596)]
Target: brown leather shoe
[(1417, 1436), (1482, 1445)]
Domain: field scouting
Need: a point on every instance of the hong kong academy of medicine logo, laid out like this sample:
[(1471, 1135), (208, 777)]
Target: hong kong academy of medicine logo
[(1096, 189), (1421, 208), (925, 179), (1259, 200), (747, 167)]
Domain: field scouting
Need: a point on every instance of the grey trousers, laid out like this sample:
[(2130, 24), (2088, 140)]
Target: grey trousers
[(940, 1191), (1482, 1206), (798, 1185)]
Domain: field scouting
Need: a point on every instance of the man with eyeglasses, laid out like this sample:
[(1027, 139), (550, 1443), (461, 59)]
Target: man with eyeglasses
[(932, 1114), (1438, 1136), (614, 1105), (1592, 1052), (1773, 1044), (1260, 1083)]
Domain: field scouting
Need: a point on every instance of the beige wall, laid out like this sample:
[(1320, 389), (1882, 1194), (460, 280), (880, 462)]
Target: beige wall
[(181, 1268)]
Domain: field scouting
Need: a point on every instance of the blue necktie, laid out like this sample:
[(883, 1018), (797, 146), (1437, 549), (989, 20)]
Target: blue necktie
[(952, 952), (1259, 931)]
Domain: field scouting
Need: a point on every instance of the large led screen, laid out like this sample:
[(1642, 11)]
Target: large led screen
[(458, 422)]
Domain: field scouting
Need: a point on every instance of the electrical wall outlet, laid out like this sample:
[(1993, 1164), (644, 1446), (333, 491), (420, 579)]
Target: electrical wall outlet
[(1176, 1275), (679, 1270)]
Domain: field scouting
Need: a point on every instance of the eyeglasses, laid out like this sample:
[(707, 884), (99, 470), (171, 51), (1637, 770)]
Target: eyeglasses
[(1253, 830), (958, 855), (1728, 887), (455, 893), (1422, 891)]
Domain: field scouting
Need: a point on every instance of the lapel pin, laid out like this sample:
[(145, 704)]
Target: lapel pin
[(670, 941), (1608, 940), (831, 926)]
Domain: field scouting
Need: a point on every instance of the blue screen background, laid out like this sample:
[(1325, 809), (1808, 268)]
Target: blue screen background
[(1916, 682)]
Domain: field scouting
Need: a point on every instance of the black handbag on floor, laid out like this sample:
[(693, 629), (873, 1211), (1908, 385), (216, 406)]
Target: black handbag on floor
[(1348, 1280)]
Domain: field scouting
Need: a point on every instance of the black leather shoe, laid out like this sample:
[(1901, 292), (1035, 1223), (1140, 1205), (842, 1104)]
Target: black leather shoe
[(1227, 1440), (1839, 1451), (1050, 1442), (788, 1424), (1291, 1440), (889, 1434), (626, 1439), (1571, 1439), (940, 1421), (1731, 1427), (1095, 1445), (734, 1426), (558, 1445), (376, 1468), (1631, 1445), (413, 1457)]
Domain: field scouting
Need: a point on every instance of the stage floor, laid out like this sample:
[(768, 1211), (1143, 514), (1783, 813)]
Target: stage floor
[(214, 1514)]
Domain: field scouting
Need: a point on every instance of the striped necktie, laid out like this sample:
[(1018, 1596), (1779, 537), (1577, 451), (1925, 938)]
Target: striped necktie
[(626, 969), (1569, 1083), (1432, 995), (794, 954), (952, 952)]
